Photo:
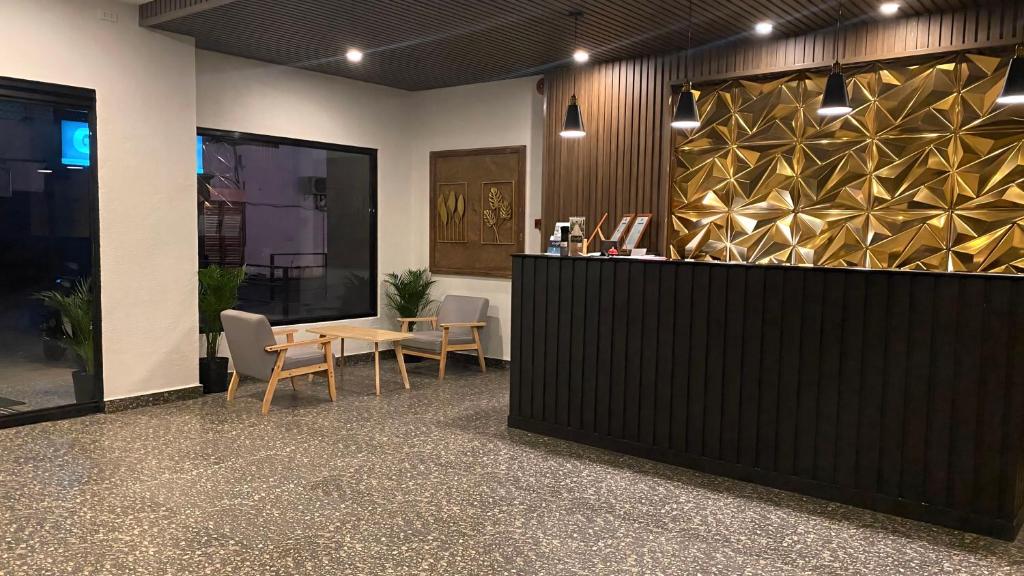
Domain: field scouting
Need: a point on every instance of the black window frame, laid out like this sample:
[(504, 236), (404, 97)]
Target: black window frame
[(374, 309)]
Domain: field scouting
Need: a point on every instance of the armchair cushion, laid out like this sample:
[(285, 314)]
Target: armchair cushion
[(302, 356), (431, 340)]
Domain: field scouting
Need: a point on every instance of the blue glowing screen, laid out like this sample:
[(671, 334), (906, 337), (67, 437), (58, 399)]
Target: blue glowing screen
[(199, 154), (74, 143)]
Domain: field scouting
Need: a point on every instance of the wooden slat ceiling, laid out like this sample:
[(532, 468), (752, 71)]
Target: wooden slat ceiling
[(424, 44)]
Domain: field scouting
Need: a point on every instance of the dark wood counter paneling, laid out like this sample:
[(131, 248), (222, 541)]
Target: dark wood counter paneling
[(901, 392)]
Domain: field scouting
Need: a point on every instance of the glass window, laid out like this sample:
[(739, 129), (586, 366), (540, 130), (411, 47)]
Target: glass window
[(48, 347), (299, 216)]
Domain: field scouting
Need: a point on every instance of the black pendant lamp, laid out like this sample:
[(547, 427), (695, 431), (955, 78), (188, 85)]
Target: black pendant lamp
[(686, 115), (835, 101), (1013, 87), (573, 125)]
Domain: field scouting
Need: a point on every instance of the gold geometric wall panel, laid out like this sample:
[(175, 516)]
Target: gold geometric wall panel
[(926, 173)]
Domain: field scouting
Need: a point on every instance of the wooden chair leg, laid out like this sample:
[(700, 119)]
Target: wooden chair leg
[(233, 386), (444, 356), (479, 350), (329, 359), (272, 384)]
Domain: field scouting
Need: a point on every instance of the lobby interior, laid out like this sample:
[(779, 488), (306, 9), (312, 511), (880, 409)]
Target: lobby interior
[(550, 287)]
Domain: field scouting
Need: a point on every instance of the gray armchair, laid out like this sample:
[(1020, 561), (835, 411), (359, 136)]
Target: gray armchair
[(256, 353), (456, 327)]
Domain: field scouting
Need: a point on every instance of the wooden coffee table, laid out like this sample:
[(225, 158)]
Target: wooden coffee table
[(374, 335)]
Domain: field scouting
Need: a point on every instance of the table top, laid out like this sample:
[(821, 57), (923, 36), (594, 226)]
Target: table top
[(359, 333)]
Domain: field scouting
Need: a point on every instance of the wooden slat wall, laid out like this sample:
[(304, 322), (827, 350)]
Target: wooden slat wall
[(897, 391), (616, 168), (623, 163)]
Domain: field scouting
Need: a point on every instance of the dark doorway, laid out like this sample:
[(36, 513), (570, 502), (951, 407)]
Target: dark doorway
[(49, 285)]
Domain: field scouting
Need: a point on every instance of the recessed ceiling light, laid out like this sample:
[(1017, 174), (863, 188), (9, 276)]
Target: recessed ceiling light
[(764, 28), (580, 56), (354, 55), (889, 8), (44, 171), (76, 167)]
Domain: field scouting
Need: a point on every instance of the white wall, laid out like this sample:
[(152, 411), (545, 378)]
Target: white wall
[(145, 89), (506, 113), (248, 96)]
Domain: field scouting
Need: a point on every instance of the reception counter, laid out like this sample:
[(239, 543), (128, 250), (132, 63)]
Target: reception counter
[(901, 392)]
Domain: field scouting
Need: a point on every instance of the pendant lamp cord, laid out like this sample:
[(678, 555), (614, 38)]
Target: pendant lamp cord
[(839, 20), (689, 37), (576, 30), (575, 44)]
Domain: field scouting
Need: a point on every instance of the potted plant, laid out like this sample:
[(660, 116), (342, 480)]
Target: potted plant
[(408, 295), (75, 309), (218, 291)]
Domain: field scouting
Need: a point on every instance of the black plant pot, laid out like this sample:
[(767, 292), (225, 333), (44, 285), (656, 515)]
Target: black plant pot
[(213, 374), (85, 386)]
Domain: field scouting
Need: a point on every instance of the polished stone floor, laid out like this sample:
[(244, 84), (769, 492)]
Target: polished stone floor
[(427, 481)]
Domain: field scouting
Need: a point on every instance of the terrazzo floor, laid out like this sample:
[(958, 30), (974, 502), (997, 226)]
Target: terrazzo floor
[(427, 481)]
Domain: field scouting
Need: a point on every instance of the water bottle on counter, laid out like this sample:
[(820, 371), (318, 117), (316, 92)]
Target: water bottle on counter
[(563, 243)]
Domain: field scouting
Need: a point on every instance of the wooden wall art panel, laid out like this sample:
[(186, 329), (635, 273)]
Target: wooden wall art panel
[(926, 173), (477, 207)]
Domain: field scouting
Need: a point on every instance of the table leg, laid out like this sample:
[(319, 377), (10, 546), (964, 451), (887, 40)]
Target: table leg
[(341, 350), (401, 364), (331, 391), (376, 366)]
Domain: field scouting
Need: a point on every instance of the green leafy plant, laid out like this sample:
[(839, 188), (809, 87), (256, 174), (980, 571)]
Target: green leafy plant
[(218, 291), (75, 309), (408, 292)]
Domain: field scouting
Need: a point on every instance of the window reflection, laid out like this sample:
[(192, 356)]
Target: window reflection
[(299, 218)]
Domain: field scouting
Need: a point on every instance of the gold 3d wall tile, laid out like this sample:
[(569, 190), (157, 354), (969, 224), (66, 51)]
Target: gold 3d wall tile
[(926, 173)]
